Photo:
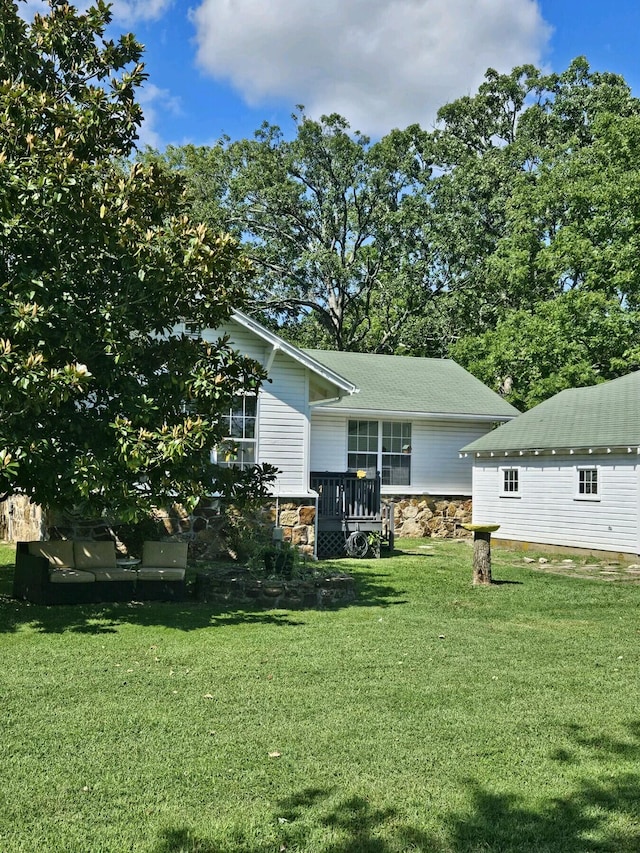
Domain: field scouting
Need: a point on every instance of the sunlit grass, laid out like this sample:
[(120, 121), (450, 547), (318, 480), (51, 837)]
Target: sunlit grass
[(429, 716)]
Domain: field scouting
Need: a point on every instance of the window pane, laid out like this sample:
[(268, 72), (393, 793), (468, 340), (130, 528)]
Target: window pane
[(396, 470), (588, 481), (510, 480), (362, 436), (363, 462)]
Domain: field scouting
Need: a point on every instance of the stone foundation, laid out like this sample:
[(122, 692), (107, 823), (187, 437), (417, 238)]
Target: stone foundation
[(430, 516), (297, 520)]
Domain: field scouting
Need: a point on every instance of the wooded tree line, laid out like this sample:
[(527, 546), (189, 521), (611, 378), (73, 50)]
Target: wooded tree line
[(506, 238)]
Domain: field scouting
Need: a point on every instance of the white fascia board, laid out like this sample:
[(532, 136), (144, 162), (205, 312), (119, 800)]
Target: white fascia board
[(554, 451), (277, 343), (415, 416)]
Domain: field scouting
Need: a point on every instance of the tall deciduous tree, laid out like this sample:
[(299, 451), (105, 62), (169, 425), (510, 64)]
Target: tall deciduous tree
[(333, 223), (102, 403), (579, 338)]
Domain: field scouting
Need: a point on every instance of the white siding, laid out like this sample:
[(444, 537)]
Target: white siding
[(283, 411), (547, 510), (283, 425), (436, 466), (241, 339), (328, 441)]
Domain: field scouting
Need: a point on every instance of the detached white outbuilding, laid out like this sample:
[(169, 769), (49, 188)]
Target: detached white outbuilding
[(567, 472)]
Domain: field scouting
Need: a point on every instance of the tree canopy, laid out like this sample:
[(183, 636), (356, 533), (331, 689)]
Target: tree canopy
[(450, 241), (104, 403)]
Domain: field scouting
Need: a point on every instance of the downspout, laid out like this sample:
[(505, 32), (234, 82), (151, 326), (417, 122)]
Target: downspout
[(270, 359), (315, 530)]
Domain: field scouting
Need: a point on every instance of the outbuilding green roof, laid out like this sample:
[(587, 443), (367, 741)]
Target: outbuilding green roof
[(422, 386), (600, 416)]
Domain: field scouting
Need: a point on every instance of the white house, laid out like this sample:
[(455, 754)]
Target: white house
[(400, 420), (567, 472)]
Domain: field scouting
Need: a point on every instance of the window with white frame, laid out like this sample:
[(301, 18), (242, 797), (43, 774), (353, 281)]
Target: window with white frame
[(239, 446), (510, 481), (383, 446), (587, 482)]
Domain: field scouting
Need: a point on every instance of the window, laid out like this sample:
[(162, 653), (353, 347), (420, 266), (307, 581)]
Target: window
[(587, 482), (239, 446), (510, 481), (396, 454), (383, 446)]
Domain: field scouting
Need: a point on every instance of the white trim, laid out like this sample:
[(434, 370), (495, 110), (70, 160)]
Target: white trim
[(306, 438), (395, 415), (297, 354), (570, 451)]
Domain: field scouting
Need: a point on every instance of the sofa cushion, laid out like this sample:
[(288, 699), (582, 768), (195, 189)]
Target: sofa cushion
[(161, 574), (164, 555), (117, 574), (59, 552), (94, 555), (70, 576)]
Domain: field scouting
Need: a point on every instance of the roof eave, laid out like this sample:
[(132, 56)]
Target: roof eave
[(551, 451), (409, 414), (297, 354)]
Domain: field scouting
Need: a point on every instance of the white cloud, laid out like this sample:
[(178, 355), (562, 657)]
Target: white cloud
[(124, 11), (380, 63), (129, 11), (154, 99)]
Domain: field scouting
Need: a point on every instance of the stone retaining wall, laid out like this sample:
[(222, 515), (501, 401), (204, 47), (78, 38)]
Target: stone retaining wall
[(237, 585), (431, 516)]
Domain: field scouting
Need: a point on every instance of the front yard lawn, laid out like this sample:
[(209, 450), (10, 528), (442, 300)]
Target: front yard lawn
[(429, 716)]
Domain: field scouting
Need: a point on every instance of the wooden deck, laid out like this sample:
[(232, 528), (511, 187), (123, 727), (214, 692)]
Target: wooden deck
[(349, 504)]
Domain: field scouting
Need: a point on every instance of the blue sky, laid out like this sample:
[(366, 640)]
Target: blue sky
[(224, 66)]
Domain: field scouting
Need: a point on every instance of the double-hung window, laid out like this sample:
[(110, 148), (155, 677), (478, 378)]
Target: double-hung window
[(238, 448), (383, 446)]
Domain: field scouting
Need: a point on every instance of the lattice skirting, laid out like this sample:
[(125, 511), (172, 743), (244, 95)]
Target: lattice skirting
[(331, 543)]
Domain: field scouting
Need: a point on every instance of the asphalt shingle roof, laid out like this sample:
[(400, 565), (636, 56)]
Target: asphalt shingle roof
[(408, 384), (605, 415)]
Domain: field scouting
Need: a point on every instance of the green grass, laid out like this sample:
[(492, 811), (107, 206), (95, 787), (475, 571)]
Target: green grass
[(430, 716)]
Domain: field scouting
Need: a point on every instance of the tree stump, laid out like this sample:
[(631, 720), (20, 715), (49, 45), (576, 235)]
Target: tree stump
[(481, 552)]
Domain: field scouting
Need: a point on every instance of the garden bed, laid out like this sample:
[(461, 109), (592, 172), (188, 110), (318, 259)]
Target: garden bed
[(317, 590)]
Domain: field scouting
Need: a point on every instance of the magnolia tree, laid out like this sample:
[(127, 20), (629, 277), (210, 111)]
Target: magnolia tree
[(103, 405)]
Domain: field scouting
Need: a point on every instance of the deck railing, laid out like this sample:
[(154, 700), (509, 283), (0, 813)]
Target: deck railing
[(344, 495)]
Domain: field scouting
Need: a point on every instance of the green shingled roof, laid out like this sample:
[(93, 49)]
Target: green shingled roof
[(391, 383), (605, 415)]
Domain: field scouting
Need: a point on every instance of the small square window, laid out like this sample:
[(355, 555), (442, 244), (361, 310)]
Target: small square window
[(588, 482), (510, 481)]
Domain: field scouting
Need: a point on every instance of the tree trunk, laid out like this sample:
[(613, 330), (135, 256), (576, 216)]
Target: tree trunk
[(481, 557)]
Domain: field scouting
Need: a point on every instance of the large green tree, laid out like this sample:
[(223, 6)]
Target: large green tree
[(103, 404), (578, 338), (334, 224)]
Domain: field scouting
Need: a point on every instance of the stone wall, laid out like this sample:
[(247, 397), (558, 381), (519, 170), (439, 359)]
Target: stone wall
[(238, 585), (431, 516), (21, 520), (297, 520)]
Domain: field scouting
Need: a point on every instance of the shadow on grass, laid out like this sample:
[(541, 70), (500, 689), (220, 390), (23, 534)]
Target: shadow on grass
[(373, 589), (600, 815), (353, 824)]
